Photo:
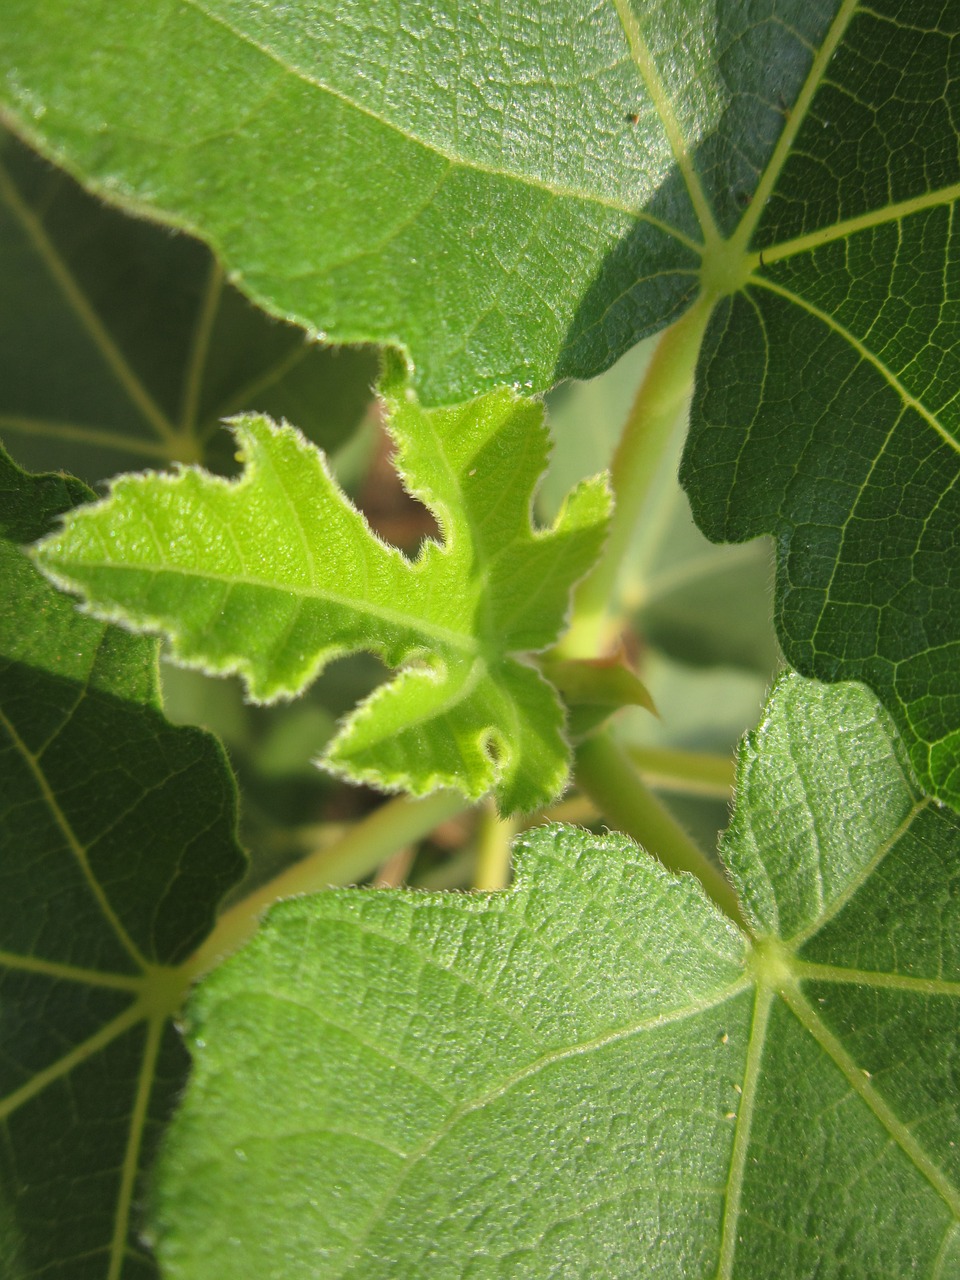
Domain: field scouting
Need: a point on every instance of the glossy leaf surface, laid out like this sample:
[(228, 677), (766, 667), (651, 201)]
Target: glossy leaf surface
[(519, 196), (276, 574), (117, 843), (595, 1073)]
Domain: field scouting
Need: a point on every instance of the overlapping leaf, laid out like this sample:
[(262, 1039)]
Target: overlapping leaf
[(828, 410), (514, 195), (116, 842), (276, 574), (595, 1073), (520, 196), (454, 178), (120, 342)]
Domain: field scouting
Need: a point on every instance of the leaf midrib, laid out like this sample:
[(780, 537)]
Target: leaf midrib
[(908, 400), (832, 1048), (466, 644), (108, 1032), (881, 216), (650, 77), (783, 148), (856, 882), (131, 1156), (73, 843), (812, 971), (71, 972), (752, 1077), (89, 320)]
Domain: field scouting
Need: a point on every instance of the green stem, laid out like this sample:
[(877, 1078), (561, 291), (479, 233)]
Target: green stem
[(359, 853), (663, 395), (692, 773), (605, 773), (494, 837)]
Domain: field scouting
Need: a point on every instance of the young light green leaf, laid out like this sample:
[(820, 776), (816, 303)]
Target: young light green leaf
[(121, 343), (595, 1073), (276, 574), (116, 843)]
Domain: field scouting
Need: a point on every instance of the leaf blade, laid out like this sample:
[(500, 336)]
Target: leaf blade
[(837, 365), (709, 148), (95, 787), (597, 1054), (150, 345), (276, 573)]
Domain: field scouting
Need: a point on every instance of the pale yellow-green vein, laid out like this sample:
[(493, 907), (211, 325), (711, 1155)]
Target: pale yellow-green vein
[(244, 398), (855, 883), (798, 113), (650, 76), (741, 1139), (860, 1083), (865, 353), (946, 1248), (70, 972), (94, 326), (95, 437), (131, 1156), (200, 347), (806, 971), (467, 644), (478, 166), (76, 848), (679, 1014), (133, 1014), (863, 222)]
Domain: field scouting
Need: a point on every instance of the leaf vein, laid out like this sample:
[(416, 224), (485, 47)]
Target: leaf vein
[(525, 1073), (73, 843), (91, 322), (865, 353), (895, 1127), (552, 189)]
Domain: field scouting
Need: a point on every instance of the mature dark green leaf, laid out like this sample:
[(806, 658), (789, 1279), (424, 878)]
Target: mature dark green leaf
[(827, 404), (117, 842), (121, 343), (466, 181), (520, 195), (595, 1073)]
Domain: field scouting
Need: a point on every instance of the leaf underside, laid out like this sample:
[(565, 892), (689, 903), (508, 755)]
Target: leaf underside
[(561, 183), (275, 574), (595, 1073), (116, 843)]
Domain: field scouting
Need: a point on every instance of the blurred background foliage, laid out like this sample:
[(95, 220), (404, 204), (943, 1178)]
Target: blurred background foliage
[(122, 345)]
